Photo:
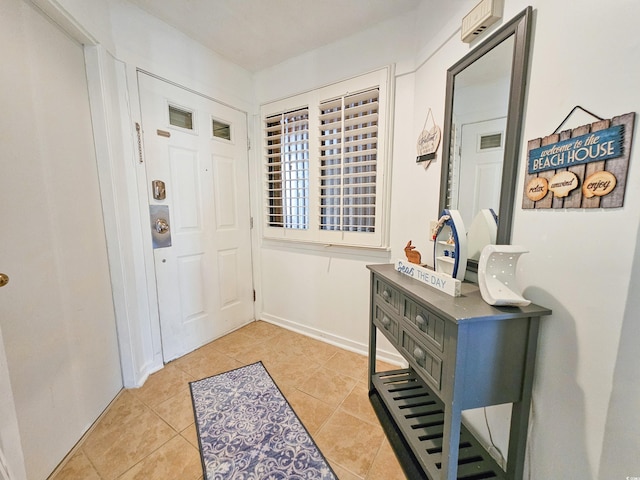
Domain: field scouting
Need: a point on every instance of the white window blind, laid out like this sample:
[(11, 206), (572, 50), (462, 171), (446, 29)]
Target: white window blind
[(348, 161), (325, 164), (287, 137)]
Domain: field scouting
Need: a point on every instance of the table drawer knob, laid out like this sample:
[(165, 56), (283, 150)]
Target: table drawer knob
[(385, 321), (421, 322), (386, 295), (418, 353)]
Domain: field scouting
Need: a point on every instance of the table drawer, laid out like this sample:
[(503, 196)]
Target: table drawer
[(427, 323), (387, 323), (425, 362), (386, 294)]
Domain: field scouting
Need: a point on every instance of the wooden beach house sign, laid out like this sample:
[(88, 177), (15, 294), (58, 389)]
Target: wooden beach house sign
[(585, 167)]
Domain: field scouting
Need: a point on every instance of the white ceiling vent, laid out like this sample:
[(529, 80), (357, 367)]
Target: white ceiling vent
[(483, 15)]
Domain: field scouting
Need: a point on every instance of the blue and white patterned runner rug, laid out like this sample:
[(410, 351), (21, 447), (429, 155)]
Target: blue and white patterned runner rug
[(248, 431)]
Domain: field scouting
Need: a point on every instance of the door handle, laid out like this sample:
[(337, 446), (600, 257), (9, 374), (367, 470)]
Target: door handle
[(4, 279), (162, 226)]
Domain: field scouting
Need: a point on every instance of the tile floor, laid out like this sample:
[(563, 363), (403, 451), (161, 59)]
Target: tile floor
[(149, 433)]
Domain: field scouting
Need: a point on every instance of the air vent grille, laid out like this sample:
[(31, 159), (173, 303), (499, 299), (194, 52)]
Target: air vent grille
[(483, 15)]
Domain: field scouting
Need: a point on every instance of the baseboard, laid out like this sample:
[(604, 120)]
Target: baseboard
[(393, 358)]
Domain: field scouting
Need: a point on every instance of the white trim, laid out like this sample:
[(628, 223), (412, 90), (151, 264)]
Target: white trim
[(393, 358), (58, 15), (138, 338), (12, 464)]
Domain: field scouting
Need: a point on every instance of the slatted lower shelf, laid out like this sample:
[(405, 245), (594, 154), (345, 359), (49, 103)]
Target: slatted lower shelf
[(413, 416)]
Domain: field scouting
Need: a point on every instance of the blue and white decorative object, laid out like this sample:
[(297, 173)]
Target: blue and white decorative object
[(450, 245), (497, 275)]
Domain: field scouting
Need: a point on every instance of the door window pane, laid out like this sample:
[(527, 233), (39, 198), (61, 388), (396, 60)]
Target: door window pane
[(179, 117), (221, 129)]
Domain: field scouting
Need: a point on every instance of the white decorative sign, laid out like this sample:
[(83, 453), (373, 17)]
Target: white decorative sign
[(439, 281)]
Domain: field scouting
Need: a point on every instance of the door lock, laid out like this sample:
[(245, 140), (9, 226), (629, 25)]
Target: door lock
[(162, 226), (159, 190), (4, 279)]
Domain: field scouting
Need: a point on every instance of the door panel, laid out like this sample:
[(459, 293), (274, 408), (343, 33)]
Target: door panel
[(204, 282), (229, 278), (226, 193), (481, 170)]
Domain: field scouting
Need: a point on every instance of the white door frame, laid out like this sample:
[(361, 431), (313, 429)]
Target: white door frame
[(12, 465)]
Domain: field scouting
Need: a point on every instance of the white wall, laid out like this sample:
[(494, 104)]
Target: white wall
[(568, 268), (581, 55), (571, 268), (56, 313)]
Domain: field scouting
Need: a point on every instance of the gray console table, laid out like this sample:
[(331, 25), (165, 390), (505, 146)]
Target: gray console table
[(462, 354)]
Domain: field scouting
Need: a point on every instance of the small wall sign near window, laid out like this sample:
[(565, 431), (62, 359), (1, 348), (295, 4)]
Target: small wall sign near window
[(428, 142), (585, 167)]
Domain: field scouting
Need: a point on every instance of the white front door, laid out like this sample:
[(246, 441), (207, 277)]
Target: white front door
[(198, 149), (482, 152)]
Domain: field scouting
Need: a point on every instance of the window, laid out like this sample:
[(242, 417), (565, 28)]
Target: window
[(325, 164), (287, 166)]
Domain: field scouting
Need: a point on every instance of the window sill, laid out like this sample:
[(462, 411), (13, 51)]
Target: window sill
[(378, 254)]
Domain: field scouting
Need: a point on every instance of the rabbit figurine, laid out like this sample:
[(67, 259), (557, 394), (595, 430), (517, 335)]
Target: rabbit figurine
[(413, 256)]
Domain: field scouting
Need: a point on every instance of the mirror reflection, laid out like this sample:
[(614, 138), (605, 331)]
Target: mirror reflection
[(478, 123), (482, 134)]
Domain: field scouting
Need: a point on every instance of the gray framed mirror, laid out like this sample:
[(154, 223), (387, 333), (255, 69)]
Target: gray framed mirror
[(483, 128)]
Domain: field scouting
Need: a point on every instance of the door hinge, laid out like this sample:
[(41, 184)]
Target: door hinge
[(251, 222), (254, 295), (248, 143)]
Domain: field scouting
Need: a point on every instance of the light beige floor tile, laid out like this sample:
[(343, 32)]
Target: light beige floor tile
[(382, 366), (234, 343), (358, 404), (114, 449), (77, 467), (385, 466), (344, 474), (263, 352), (291, 372), (350, 442), (162, 385), (312, 412), (124, 408), (177, 411), (261, 330), (176, 459), (348, 363), (207, 362), (191, 435), (328, 386), (290, 343), (317, 351)]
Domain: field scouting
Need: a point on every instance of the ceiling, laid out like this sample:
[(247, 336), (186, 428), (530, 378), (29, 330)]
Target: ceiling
[(256, 34)]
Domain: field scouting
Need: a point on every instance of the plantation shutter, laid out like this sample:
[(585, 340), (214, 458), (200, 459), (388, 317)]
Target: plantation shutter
[(348, 162), (287, 169)]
